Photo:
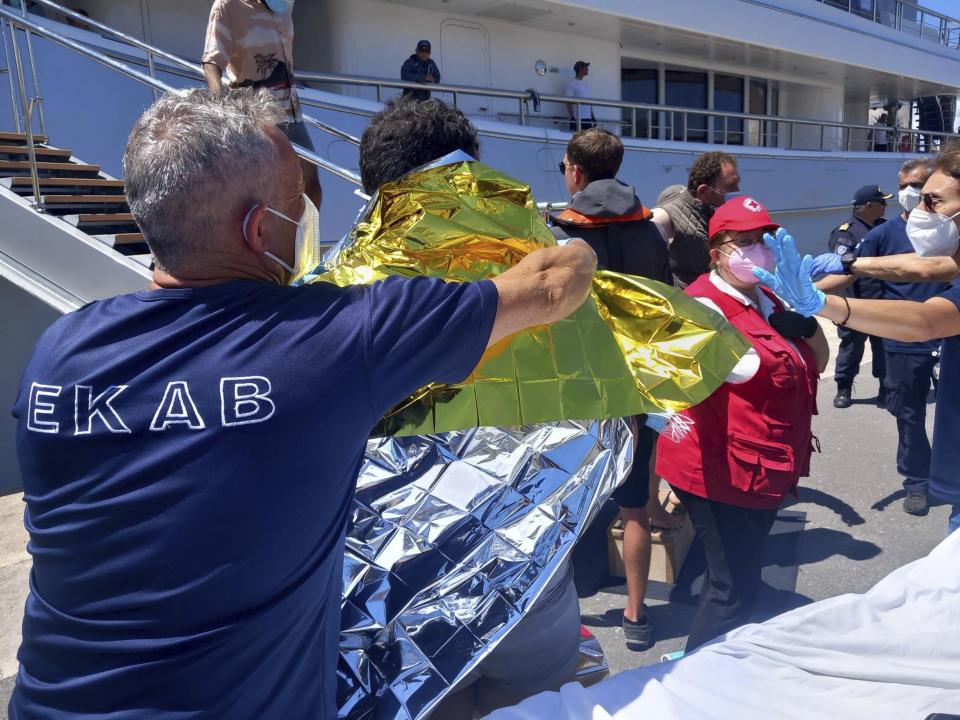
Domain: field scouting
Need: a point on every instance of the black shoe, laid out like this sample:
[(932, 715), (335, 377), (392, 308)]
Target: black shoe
[(638, 635), (842, 400), (915, 503)]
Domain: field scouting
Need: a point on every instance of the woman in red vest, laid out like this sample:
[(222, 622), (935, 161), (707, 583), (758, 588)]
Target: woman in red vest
[(750, 442)]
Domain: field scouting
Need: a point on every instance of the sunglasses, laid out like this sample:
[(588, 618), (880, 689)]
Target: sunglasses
[(563, 167)]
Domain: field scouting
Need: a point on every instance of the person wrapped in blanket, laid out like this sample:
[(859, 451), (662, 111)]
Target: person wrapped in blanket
[(436, 209), (750, 441), (542, 652)]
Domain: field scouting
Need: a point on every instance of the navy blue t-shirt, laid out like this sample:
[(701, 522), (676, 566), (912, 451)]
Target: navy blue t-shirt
[(890, 238), (945, 462), (189, 458)]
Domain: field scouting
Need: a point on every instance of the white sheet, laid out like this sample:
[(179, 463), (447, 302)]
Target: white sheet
[(891, 653)]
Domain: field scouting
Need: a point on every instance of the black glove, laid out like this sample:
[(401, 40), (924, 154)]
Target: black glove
[(793, 326)]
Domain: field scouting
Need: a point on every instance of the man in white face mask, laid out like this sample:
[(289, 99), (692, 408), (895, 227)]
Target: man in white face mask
[(932, 228), (909, 366), (190, 451)]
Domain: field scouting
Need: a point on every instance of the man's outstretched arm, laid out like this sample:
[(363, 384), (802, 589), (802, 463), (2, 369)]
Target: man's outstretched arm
[(546, 286), (903, 320), (908, 267)]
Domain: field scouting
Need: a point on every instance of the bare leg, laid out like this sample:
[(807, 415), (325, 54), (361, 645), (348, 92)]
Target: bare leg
[(311, 182), (636, 559)]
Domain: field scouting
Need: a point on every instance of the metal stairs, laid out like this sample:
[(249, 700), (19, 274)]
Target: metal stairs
[(72, 190)]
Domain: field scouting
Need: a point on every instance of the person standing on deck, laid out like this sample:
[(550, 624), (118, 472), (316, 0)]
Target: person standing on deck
[(250, 44), (420, 68)]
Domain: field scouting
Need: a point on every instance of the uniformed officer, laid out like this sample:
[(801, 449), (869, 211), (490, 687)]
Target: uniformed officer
[(869, 206)]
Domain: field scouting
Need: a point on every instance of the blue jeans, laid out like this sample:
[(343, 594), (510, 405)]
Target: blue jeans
[(954, 522)]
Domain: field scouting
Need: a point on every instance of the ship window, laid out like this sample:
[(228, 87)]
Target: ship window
[(760, 132), (639, 85), (728, 96), (686, 89)]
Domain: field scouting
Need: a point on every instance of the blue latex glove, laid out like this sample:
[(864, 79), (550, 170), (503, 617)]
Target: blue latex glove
[(827, 264), (791, 281)]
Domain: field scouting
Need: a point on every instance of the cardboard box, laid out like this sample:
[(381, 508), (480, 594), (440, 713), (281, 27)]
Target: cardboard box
[(669, 547)]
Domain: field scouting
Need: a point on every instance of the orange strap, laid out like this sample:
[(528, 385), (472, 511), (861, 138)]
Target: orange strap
[(577, 218)]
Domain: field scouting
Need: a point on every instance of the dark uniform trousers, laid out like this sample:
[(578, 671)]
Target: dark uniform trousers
[(848, 236), (850, 355), (734, 539), (908, 381)]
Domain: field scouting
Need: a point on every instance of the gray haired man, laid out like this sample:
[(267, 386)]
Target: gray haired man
[(189, 452)]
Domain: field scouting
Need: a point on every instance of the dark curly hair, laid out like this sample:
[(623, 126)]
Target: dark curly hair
[(706, 168), (407, 134)]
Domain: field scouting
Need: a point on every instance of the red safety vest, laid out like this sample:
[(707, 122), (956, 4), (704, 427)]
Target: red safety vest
[(751, 442)]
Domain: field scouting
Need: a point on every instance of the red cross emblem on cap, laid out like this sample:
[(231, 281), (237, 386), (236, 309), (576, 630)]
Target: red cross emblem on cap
[(752, 205)]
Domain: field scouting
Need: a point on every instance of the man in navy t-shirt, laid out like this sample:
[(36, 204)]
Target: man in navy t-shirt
[(933, 231), (189, 452), (909, 366)]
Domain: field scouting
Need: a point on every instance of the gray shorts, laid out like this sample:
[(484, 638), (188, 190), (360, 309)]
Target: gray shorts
[(297, 133)]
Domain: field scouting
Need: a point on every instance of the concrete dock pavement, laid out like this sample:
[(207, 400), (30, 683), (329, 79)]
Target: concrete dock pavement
[(14, 582)]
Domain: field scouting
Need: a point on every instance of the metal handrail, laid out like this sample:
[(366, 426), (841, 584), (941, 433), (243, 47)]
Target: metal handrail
[(9, 72), (916, 137), (651, 110), (27, 106), (944, 30), (193, 71), (16, 21)]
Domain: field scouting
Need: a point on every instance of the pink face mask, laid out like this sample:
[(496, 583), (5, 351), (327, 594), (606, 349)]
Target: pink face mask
[(744, 260)]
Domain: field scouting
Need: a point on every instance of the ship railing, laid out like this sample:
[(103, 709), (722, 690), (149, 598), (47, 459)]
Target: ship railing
[(905, 16), (14, 24), (637, 120), (666, 122)]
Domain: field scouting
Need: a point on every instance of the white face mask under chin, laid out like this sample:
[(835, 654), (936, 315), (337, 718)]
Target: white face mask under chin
[(932, 234), (307, 252)]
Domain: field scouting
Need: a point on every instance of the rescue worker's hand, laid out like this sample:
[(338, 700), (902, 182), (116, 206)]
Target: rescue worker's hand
[(827, 264), (791, 281)]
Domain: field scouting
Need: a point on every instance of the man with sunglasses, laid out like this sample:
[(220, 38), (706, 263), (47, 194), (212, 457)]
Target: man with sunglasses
[(869, 207), (909, 366), (933, 229), (606, 213)]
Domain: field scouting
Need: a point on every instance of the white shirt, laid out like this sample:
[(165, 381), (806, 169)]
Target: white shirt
[(880, 136), (749, 363), (580, 89)]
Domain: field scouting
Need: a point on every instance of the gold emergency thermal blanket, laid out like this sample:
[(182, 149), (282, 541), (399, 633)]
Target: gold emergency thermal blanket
[(634, 346)]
